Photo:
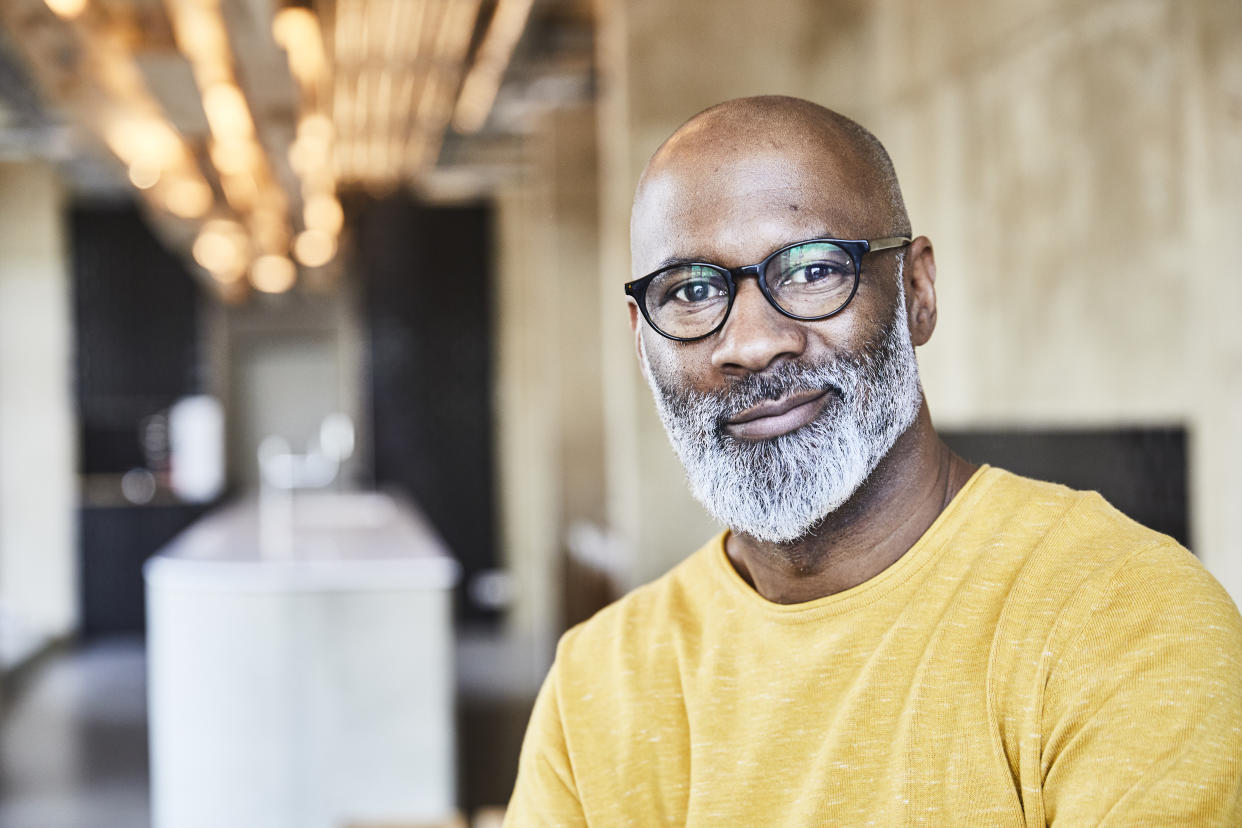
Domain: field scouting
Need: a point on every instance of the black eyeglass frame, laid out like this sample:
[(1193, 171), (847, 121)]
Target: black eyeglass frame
[(856, 248)]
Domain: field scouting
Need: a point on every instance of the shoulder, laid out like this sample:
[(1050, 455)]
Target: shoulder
[(1115, 663), (1095, 591), (1154, 596), (1072, 552), (615, 684), (1065, 540), (646, 620), (1013, 504), (1075, 567), (1143, 665)]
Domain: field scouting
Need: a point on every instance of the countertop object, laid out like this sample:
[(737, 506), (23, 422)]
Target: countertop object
[(310, 691)]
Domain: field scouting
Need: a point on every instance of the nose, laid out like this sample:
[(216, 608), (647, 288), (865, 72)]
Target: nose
[(756, 335)]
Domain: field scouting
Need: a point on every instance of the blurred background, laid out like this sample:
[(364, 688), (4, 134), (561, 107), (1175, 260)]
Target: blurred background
[(319, 415)]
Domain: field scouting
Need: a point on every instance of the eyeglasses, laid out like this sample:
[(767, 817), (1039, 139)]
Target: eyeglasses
[(807, 280)]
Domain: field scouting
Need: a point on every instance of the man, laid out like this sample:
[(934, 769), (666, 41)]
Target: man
[(886, 634)]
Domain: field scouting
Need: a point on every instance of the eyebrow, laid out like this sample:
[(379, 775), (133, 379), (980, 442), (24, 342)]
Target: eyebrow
[(685, 260), (680, 260)]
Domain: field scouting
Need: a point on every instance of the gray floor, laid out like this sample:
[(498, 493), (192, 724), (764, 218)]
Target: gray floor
[(73, 734), (73, 741)]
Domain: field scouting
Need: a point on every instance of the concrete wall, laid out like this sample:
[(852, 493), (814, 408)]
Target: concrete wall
[(550, 445), (1078, 165), (527, 456), (281, 364), (38, 485)]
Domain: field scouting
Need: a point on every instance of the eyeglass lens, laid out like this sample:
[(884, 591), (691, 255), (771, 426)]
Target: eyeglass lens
[(810, 280)]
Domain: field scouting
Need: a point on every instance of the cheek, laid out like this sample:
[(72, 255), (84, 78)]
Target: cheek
[(862, 323), (679, 365)]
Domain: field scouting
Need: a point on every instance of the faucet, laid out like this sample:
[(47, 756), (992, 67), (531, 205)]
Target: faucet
[(281, 473)]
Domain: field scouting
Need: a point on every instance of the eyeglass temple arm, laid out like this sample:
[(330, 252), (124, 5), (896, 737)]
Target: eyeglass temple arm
[(887, 243)]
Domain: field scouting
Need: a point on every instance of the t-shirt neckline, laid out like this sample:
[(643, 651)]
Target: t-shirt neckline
[(924, 550)]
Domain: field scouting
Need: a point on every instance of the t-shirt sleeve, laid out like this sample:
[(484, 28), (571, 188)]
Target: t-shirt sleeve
[(1142, 714), (545, 793)]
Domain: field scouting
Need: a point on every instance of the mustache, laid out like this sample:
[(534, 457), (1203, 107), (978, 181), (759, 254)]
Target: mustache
[(845, 375), (783, 381), (718, 407)]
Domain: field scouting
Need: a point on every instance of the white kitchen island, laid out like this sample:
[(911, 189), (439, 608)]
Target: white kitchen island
[(309, 690)]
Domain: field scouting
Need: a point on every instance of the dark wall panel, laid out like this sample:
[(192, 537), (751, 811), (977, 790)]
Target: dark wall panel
[(136, 315), (1141, 471), (136, 319), (428, 300)]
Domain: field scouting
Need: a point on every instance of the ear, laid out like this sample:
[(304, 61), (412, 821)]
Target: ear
[(635, 328), (920, 278)]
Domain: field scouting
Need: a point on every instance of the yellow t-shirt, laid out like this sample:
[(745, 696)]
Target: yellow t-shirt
[(1035, 658)]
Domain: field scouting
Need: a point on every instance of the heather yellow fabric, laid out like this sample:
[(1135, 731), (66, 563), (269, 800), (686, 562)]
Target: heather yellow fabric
[(1036, 658)]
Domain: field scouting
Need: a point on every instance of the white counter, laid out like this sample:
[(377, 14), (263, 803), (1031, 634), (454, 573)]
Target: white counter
[(312, 691)]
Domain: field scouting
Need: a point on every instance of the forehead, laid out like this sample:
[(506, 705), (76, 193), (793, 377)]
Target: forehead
[(735, 208)]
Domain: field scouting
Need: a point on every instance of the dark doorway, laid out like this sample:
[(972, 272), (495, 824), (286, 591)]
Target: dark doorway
[(1141, 471), (427, 286)]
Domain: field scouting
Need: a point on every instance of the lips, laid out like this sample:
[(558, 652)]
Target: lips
[(772, 418)]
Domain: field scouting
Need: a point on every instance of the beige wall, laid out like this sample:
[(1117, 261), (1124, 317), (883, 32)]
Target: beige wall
[(38, 485), (526, 390), (1078, 165), (550, 443)]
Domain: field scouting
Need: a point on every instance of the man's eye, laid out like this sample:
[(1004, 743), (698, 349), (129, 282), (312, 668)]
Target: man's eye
[(815, 272), (699, 290)]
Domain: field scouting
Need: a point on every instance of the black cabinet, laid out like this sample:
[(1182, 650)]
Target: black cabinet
[(136, 311), (116, 542)]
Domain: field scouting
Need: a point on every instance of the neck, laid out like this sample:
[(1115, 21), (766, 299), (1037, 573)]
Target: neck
[(910, 487)]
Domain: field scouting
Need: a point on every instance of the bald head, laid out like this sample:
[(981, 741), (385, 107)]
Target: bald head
[(815, 161)]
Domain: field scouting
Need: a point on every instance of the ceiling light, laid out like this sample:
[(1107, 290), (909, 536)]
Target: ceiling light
[(200, 32), (234, 157), (302, 157), (270, 230), (314, 248), (312, 148), (220, 249), (273, 274), (318, 180), (187, 197), (227, 113), (296, 30), (323, 212), (240, 191), (144, 175), (150, 140), (478, 90), (67, 9), (317, 127)]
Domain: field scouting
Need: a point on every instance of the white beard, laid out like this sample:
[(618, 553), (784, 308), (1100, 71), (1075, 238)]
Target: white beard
[(778, 490)]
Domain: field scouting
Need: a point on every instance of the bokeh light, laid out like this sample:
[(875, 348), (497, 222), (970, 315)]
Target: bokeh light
[(273, 273)]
